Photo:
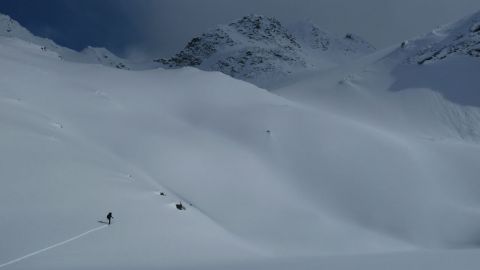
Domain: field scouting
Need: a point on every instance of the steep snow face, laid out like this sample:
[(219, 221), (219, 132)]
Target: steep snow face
[(348, 47), (261, 50), (436, 104), (417, 113), (445, 61), (310, 36), (105, 57), (459, 38), (434, 98), (11, 28)]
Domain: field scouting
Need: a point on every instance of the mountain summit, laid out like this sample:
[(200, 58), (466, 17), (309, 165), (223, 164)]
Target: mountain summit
[(260, 49)]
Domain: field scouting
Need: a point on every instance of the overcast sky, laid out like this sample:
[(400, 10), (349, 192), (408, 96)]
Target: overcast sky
[(158, 28)]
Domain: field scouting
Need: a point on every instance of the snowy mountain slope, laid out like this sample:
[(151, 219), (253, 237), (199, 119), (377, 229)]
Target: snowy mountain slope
[(322, 45), (459, 38), (435, 105), (261, 50), (345, 166), (11, 28), (80, 140), (90, 140), (438, 260), (437, 99), (447, 60)]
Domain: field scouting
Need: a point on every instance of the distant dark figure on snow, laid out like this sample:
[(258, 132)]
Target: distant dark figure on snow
[(109, 217), (180, 206)]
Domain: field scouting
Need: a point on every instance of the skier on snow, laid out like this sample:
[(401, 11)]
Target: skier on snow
[(109, 217)]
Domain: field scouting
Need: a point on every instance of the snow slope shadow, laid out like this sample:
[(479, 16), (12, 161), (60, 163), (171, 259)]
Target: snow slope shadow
[(456, 78)]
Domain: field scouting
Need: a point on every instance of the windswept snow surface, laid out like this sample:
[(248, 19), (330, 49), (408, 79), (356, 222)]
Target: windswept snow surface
[(53, 246), (432, 112), (79, 140), (349, 171)]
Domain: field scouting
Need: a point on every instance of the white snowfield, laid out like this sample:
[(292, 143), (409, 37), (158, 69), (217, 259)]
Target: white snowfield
[(367, 166)]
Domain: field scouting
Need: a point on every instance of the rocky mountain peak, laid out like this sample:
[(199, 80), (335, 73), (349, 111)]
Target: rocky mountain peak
[(261, 49), (261, 28)]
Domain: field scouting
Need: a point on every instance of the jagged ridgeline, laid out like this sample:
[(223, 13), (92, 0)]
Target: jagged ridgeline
[(11, 28), (459, 38), (255, 48)]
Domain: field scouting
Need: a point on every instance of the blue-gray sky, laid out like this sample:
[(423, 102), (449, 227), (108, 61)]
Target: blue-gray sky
[(158, 28)]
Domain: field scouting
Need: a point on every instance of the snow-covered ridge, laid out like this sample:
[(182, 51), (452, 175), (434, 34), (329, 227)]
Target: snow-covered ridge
[(260, 49), (255, 48), (459, 38), (311, 36), (12, 29)]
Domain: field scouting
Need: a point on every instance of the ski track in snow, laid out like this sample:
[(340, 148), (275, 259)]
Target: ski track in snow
[(52, 246)]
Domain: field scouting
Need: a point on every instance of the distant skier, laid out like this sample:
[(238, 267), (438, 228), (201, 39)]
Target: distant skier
[(109, 217)]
